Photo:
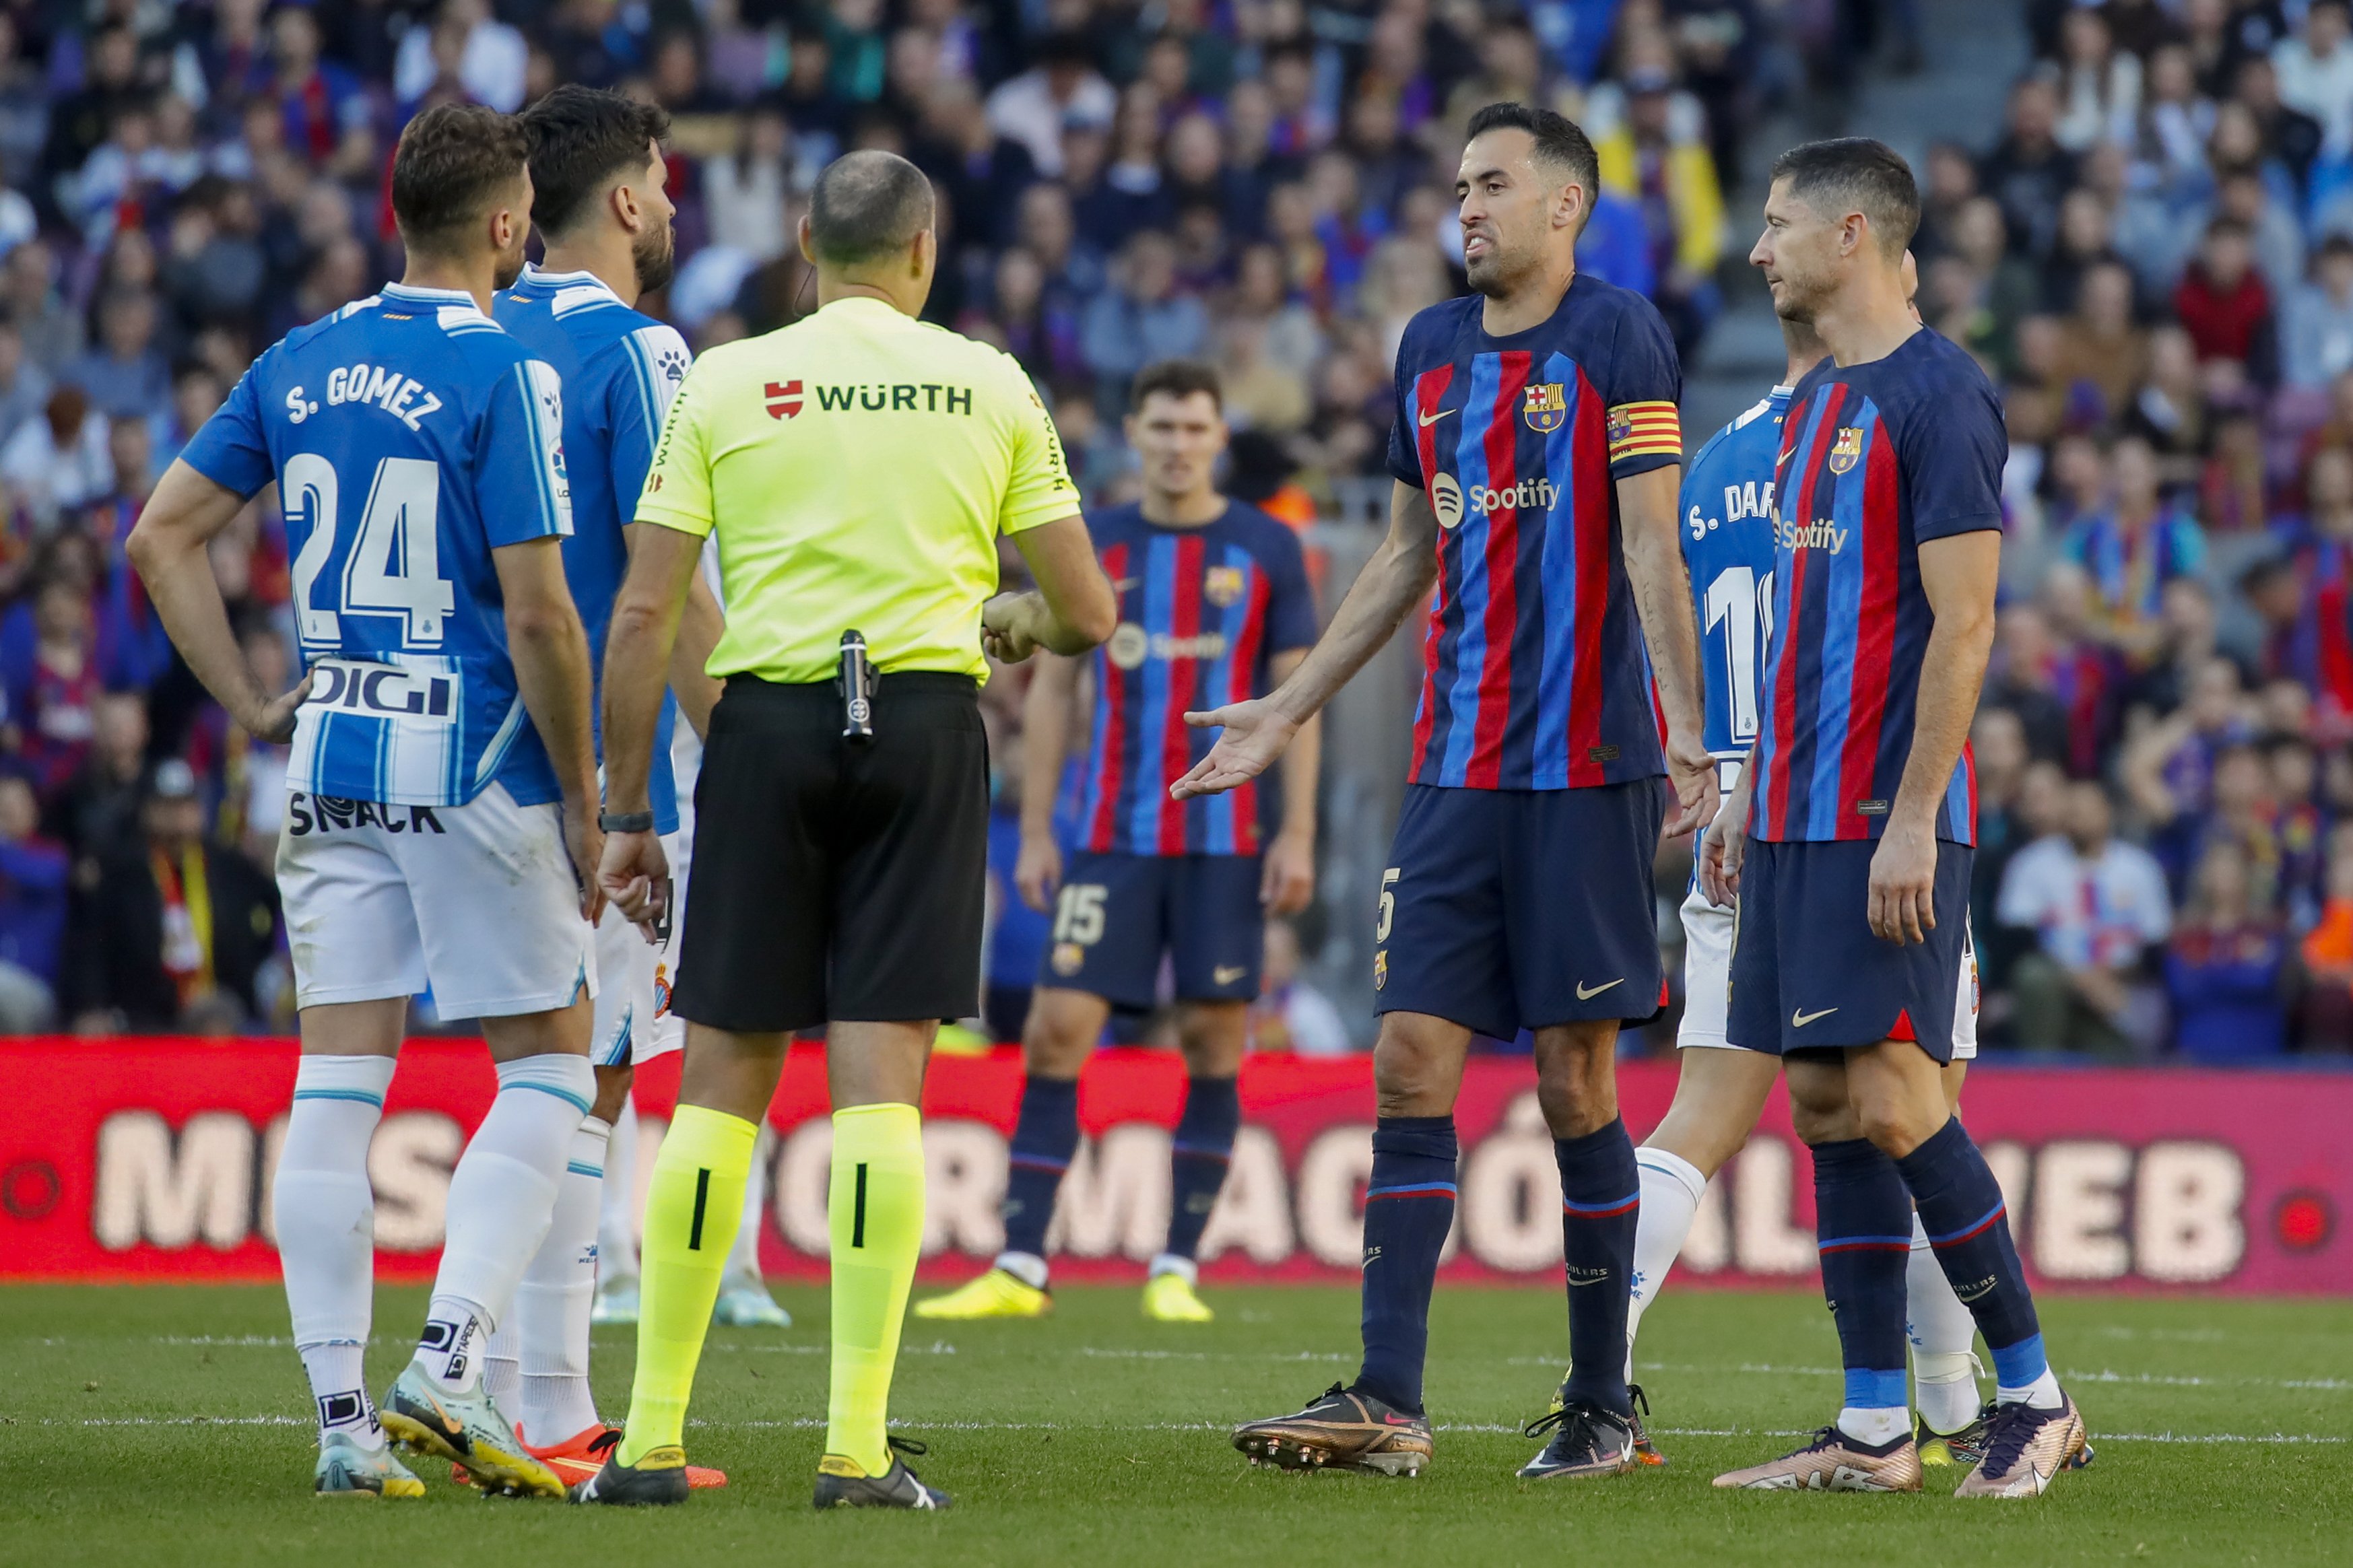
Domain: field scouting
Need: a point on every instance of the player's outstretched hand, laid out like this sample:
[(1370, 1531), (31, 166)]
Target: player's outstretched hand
[(1038, 871), (274, 721), (1009, 627), (1256, 732), (635, 874), (1903, 884), (1723, 848), (1692, 771), (1287, 881)]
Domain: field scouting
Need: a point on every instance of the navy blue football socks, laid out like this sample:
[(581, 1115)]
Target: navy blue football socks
[(1863, 1217), (1044, 1141), (1409, 1209), (1961, 1209), (1601, 1204), (1203, 1147)]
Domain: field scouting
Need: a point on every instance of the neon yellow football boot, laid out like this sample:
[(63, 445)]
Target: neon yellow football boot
[(995, 1294), (1171, 1298)]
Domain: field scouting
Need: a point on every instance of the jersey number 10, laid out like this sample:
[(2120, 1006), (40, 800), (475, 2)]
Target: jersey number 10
[(392, 568), (1742, 603)]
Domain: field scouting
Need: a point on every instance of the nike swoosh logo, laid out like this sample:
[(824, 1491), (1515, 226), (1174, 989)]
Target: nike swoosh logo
[(1976, 1295), (1585, 995), (1226, 974), (1574, 1283), (1429, 419), (1800, 1018)]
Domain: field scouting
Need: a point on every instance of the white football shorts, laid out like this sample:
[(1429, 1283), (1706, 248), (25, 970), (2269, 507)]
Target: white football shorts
[(633, 982), (1708, 980), (476, 901)]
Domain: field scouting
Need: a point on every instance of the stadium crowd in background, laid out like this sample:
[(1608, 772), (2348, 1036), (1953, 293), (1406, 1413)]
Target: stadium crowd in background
[(2154, 254)]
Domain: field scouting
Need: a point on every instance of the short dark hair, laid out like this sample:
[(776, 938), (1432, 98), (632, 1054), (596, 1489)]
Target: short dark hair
[(452, 160), (581, 138), (868, 203), (1856, 173), (1562, 144), (1177, 378)]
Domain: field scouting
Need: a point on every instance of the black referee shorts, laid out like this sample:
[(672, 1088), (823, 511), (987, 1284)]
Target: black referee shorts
[(833, 881)]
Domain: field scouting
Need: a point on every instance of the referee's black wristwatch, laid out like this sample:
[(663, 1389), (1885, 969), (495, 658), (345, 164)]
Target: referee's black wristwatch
[(625, 821)]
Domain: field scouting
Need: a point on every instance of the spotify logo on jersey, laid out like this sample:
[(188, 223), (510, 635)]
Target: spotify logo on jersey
[(1446, 501)]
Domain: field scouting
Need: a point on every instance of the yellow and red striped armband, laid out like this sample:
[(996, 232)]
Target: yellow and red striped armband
[(1645, 430)]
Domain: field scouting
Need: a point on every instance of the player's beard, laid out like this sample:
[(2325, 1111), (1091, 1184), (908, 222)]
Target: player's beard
[(1500, 272), (655, 255), (1801, 297)]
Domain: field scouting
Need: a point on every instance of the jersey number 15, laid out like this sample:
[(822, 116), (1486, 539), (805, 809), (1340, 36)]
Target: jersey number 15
[(393, 567)]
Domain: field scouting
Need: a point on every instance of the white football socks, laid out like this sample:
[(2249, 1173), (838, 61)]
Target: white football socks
[(324, 1213), (1944, 1369), (536, 1365), (1026, 1267), (2042, 1393), (1671, 1189), (616, 1212), (502, 1199), (1875, 1427)]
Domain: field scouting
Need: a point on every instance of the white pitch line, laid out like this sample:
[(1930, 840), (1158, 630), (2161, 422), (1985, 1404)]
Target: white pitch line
[(812, 1422)]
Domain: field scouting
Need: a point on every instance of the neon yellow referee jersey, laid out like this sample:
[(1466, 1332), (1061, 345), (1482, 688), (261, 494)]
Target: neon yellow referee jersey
[(857, 467)]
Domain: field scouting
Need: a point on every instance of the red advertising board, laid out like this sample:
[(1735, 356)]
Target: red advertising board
[(151, 1160)]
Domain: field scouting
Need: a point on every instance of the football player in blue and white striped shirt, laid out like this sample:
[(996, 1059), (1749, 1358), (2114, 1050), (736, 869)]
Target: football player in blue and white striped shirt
[(442, 787)]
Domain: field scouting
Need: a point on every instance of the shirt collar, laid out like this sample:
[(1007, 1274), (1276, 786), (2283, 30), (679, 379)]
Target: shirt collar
[(417, 296), (580, 278)]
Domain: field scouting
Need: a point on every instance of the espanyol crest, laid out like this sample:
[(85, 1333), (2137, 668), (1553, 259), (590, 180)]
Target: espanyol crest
[(1847, 449), (1546, 406)]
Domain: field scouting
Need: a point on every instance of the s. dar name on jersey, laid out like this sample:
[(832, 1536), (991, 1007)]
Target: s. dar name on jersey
[(1201, 610), (409, 435), (1727, 536), (620, 368), (1533, 672), (1876, 459)]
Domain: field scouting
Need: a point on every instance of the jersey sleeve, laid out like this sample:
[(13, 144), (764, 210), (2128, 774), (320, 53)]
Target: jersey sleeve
[(1951, 453), (518, 478), (1039, 489), (653, 362), (677, 492), (231, 448), (1291, 621), (1404, 451), (1642, 394)]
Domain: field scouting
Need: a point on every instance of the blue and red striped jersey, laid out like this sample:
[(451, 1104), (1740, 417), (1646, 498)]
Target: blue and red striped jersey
[(1201, 611), (1875, 458), (1533, 672)]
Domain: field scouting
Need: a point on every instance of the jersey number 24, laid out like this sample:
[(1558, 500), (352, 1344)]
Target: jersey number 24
[(393, 565)]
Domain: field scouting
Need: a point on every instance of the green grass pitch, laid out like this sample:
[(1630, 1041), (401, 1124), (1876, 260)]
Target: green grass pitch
[(169, 1425)]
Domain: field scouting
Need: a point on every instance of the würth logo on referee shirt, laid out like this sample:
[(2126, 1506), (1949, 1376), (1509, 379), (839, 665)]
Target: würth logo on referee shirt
[(783, 399)]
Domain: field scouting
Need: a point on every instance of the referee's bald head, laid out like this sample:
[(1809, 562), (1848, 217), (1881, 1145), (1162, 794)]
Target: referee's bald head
[(868, 207)]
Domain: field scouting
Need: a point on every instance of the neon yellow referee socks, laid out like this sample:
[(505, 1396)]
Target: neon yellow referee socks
[(875, 1212), (693, 1210)]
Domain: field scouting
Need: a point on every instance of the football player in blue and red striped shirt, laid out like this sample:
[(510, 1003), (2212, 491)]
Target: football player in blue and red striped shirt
[(1861, 804), (1536, 452), (1214, 608)]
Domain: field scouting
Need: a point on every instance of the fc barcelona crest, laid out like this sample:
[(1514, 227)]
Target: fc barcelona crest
[(1546, 406), (1222, 585), (1847, 449)]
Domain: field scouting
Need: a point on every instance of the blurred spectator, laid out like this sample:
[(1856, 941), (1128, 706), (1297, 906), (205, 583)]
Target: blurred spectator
[(96, 811), (2027, 172), (2316, 323), (33, 873), (1289, 1015), (1140, 319), (1656, 155), (125, 372), (58, 461), (176, 928), (1060, 91), (52, 698), (2316, 72), (24, 387), (490, 60), (2135, 546), (2224, 967), (2223, 303), (2095, 904), (2324, 1013)]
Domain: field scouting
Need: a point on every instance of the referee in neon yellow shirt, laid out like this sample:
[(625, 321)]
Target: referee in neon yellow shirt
[(856, 468)]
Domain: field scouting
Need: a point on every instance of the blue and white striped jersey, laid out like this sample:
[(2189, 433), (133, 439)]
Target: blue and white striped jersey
[(409, 435), (1728, 505), (620, 368)]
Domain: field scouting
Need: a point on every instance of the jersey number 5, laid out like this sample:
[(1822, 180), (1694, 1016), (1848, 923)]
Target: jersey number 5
[(394, 567)]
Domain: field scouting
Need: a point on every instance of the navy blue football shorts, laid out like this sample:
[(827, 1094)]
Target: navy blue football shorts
[(1505, 910), (1807, 973), (1116, 914)]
